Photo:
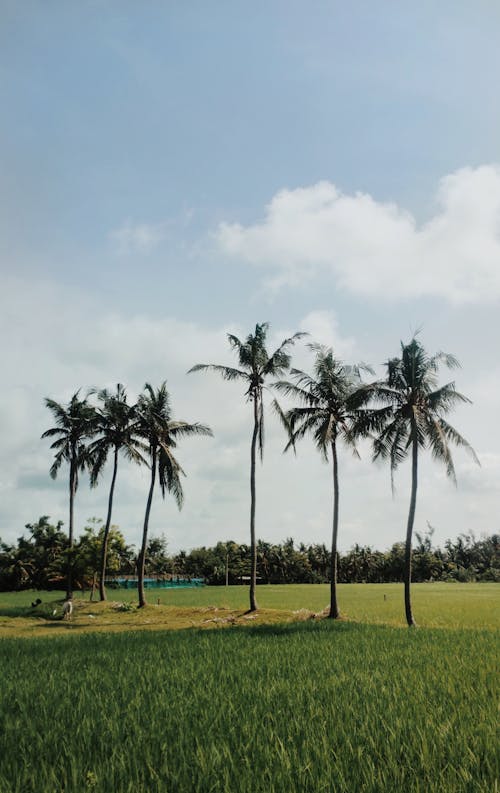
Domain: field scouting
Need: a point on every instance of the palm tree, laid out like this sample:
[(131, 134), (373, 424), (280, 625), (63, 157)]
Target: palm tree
[(329, 409), (154, 424), (255, 366), (75, 424), (115, 427), (413, 418)]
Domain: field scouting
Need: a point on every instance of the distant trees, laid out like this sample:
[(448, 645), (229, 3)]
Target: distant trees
[(38, 560), (88, 551), (412, 417), (256, 365)]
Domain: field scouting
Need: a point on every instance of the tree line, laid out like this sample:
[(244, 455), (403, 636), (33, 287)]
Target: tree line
[(38, 561), (402, 414)]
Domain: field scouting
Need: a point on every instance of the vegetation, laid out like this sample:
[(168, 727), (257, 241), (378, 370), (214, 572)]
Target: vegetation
[(404, 413), (256, 365), (37, 561), (413, 712), (440, 605), (330, 410), (413, 418)]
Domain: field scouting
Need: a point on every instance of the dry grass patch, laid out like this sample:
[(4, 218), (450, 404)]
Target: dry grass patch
[(117, 616)]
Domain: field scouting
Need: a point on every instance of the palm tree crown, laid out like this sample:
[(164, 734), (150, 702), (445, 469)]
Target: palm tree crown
[(330, 401), (415, 408), (255, 365), (115, 428), (75, 424), (155, 425)]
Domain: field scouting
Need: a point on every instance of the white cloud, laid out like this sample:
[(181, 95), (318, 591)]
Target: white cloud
[(378, 249), (137, 238)]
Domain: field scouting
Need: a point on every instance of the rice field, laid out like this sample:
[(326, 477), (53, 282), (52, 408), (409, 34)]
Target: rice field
[(284, 707)]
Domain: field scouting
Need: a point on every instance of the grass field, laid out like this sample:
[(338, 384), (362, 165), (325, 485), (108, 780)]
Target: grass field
[(285, 707), (435, 605)]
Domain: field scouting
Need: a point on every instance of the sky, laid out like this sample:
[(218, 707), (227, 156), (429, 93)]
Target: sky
[(172, 172)]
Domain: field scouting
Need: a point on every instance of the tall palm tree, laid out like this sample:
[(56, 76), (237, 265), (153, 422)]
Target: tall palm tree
[(255, 366), (114, 425), (75, 425), (154, 424), (329, 409), (413, 417)]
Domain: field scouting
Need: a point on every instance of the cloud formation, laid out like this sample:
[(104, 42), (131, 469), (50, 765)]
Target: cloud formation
[(377, 249), (137, 238)]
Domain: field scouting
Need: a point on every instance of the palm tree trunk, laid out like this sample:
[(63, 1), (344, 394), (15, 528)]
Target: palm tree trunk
[(334, 609), (409, 531), (104, 552), (142, 555), (253, 544), (72, 491), (93, 587)]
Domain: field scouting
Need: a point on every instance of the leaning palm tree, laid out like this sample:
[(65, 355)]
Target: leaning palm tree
[(412, 417), (114, 425), (75, 425), (255, 366), (154, 425), (329, 408)]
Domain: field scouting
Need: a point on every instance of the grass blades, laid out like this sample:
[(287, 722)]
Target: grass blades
[(286, 708)]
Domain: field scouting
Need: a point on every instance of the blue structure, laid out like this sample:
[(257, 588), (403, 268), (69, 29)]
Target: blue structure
[(157, 583)]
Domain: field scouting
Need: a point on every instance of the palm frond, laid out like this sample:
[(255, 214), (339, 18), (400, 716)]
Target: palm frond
[(445, 398), (279, 361), (292, 390), (347, 432), (226, 372), (51, 432), (285, 424), (169, 472), (444, 357), (324, 435), (54, 468), (182, 429)]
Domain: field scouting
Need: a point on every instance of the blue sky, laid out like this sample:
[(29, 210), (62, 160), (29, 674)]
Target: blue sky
[(171, 171)]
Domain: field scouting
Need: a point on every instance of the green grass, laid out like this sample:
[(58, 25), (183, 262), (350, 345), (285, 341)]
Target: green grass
[(294, 708), (277, 706), (435, 605)]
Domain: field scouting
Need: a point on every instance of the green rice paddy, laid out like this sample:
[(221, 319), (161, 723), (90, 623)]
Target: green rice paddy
[(284, 707)]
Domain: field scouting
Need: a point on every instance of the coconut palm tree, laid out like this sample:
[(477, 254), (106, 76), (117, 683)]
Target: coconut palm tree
[(114, 425), (255, 366), (412, 417), (154, 425), (75, 425), (329, 409)]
